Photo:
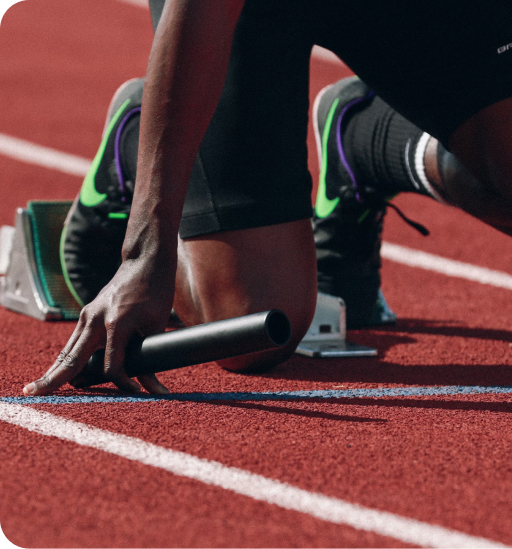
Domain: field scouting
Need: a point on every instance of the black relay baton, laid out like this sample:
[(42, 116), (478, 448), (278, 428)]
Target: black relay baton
[(195, 345)]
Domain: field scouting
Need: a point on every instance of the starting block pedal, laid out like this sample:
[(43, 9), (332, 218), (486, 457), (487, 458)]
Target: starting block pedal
[(32, 281), (326, 337)]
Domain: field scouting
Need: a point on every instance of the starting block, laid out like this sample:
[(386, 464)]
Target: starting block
[(326, 337), (32, 282)]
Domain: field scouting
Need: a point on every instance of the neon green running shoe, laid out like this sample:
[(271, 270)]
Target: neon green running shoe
[(95, 227), (349, 217)]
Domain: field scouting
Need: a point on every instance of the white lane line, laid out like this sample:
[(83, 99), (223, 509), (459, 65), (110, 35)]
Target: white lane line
[(442, 265), (43, 156), (242, 482)]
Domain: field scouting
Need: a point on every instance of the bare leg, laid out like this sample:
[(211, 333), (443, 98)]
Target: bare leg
[(477, 177), (234, 273)]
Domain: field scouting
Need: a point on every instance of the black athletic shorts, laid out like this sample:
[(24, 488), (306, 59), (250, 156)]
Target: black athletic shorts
[(437, 62)]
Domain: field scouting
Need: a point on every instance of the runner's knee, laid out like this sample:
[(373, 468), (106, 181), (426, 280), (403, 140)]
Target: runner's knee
[(237, 273)]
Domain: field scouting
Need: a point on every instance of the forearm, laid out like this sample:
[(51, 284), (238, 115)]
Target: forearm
[(184, 80)]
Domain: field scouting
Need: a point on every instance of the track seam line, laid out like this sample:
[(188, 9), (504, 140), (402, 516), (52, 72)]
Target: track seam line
[(240, 481)]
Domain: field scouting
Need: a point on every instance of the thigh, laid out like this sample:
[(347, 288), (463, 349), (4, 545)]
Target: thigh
[(437, 62), (234, 273), (251, 169)]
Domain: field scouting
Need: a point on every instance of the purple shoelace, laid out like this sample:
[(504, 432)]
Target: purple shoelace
[(339, 142), (117, 148)]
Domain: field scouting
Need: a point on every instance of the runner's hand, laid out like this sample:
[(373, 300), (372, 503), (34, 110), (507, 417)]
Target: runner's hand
[(134, 302)]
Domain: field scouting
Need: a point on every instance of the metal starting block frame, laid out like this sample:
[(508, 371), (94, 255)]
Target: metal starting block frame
[(32, 282), (326, 337)]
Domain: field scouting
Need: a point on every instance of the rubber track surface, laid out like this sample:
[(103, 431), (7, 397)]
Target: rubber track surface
[(442, 459)]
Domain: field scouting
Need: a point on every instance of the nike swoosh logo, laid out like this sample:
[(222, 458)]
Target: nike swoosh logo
[(89, 196), (324, 206)]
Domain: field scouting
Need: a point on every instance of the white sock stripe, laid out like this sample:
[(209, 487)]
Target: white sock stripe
[(419, 166), (408, 166), (240, 481), (419, 156)]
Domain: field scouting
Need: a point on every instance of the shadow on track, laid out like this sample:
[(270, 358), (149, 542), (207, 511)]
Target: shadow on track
[(299, 411), (501, 407), (447, 329), (376, 370)]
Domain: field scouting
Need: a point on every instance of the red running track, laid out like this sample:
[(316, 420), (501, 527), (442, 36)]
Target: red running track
[(442, 460)]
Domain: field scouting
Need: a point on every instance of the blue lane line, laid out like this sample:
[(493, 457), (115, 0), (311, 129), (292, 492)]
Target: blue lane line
[(280, 395)]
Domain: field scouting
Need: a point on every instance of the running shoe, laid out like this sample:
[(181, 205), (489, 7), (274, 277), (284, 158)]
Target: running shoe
[(95, 227), (349, 215)]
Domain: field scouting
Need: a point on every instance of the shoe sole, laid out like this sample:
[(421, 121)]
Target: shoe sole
[(316, 127)]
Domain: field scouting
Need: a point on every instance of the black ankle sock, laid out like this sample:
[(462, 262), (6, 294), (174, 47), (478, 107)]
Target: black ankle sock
[(380, 146)]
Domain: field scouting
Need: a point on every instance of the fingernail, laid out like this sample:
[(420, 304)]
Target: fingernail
[(29, 389)]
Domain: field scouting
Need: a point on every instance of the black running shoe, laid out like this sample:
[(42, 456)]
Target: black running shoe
[(95, 227), (349, 216)]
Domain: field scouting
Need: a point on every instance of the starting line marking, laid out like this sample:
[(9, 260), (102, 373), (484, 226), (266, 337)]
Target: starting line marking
[(279, 395), (240, 481)]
